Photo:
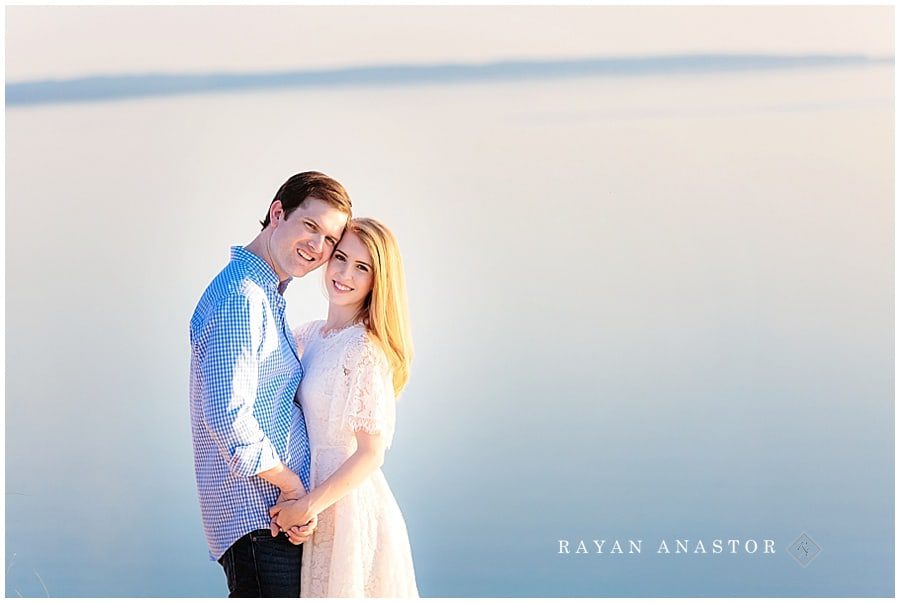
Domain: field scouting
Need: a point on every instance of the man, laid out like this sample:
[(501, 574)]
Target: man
[(250, 442)]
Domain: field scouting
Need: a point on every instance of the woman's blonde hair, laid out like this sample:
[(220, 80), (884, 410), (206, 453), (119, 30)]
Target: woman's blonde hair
[(384, 310)]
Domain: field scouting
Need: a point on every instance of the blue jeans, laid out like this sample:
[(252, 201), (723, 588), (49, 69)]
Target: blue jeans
[(260, 565)]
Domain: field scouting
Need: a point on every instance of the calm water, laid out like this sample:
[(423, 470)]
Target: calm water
[(644, 307)]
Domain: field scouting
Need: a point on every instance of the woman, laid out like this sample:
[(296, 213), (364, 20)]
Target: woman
[(355, 365)]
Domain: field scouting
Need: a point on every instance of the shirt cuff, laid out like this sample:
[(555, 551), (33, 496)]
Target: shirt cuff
[(253, 459)]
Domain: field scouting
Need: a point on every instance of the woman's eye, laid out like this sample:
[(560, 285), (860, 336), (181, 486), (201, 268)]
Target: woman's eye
[(361, 267)]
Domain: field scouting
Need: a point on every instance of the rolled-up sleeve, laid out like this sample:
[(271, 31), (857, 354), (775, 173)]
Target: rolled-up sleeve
[(228, 349)]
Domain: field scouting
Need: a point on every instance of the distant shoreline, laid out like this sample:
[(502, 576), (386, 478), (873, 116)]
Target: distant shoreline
[(114, 87)]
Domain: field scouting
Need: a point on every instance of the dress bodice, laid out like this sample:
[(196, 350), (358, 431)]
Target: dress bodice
[(347, 386)]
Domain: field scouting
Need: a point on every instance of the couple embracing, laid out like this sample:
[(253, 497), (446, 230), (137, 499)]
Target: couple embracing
[(290, 427)]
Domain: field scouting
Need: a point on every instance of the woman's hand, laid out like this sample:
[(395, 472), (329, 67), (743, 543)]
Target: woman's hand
[(283, 497), (289, 513)]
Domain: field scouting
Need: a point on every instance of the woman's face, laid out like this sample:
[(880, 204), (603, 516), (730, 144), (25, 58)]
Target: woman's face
[(349, 275)]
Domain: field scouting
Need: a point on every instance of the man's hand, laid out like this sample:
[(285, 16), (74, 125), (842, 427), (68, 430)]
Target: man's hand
[(300, 534)]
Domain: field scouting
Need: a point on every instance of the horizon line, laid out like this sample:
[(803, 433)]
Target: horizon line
[(122, 86)]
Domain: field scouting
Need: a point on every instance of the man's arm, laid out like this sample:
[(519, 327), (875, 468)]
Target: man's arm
[(229, 348), (285, 480)]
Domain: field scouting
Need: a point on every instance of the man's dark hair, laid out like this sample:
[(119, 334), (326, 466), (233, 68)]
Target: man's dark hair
[(300, 187)]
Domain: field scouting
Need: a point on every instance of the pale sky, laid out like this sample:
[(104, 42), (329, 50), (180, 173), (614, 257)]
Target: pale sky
[(73, 41)]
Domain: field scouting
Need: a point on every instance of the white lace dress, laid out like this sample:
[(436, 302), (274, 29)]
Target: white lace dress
[(361, 547)]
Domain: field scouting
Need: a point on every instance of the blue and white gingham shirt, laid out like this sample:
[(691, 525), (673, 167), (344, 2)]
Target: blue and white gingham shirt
[(244, 374)]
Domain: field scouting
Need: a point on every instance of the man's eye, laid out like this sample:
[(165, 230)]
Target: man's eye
[(311, 226)]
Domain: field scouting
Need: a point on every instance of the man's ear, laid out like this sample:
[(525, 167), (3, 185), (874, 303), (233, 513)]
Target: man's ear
[(276, 211)]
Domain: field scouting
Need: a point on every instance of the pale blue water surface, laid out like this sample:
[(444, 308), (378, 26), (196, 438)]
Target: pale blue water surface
[(649, 307)]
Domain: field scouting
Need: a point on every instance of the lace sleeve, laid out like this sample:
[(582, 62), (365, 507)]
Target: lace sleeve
[(370, 394), (302, 333)]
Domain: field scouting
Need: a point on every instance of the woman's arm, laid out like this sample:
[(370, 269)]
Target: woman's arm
[(369, 456)]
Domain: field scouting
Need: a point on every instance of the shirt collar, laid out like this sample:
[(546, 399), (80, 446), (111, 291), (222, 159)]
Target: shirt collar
[(259, 267)]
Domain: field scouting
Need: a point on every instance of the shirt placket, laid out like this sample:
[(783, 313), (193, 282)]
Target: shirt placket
[(282, 324)]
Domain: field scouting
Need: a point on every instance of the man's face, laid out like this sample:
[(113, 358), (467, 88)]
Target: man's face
[(304, 241)]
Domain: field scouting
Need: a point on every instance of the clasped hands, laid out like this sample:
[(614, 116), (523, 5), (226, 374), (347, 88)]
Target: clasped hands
[(292, 515)]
